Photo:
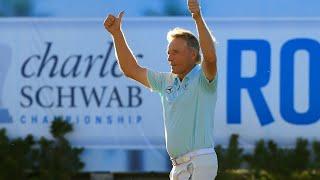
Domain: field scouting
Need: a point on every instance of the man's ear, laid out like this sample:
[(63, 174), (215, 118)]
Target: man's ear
[(194, 54)]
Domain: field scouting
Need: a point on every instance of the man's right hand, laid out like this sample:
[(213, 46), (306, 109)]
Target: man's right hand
[(113, 24)]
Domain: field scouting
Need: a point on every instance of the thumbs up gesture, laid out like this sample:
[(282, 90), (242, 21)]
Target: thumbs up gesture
[(194, 8), (113, 24)]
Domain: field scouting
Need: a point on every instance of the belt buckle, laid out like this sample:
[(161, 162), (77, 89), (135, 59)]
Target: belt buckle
[(180, 160), (186, 159)]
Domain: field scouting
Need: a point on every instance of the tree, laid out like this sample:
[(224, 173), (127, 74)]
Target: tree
[(57, 158), (44, 159), (15, 8), (170, 8)]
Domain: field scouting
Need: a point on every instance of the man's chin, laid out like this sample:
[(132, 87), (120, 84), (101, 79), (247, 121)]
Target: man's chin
[(173, 72)]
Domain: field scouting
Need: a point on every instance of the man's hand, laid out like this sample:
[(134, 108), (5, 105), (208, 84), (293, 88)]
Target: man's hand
[(113, 24), (194, 8)]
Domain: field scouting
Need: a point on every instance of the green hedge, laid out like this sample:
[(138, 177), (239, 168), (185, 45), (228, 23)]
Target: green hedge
[(268, 161), (40, 159), (56, 159)]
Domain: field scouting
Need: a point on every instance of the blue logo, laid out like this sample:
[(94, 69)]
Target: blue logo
[(5, 59), (5, 116), (254, 85)]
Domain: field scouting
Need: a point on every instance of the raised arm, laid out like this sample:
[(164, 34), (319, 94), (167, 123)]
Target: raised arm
[(126, 60), (207, 41)]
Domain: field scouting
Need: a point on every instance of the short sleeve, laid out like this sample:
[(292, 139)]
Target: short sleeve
[(206, 84), (156, 80)]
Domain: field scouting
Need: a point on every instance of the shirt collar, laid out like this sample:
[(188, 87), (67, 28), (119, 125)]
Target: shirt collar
[(190, 74)]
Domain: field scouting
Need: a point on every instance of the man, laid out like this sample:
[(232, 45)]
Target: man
[(188, 94)]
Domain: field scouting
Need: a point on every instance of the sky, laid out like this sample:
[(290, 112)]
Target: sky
[(210, 8)]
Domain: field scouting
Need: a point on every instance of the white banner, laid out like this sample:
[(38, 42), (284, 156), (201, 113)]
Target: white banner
[(269, 81)]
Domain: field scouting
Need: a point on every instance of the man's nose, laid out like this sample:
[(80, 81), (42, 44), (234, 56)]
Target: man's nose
[(170, 58)]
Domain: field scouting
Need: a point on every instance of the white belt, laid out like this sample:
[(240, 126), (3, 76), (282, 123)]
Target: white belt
[(187, 157)]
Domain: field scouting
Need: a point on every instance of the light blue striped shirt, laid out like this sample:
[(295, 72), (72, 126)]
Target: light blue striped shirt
[(188, 109)]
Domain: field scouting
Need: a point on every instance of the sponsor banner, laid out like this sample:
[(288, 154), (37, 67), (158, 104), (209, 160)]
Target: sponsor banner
[(269, 81)]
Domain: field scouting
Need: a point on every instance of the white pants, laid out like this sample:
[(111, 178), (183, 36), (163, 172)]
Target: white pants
[(202, 167)]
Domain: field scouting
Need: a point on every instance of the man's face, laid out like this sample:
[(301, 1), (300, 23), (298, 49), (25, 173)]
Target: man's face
[(181, 58)]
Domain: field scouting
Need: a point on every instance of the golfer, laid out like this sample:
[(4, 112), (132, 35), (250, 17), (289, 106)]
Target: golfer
[(188, 93)]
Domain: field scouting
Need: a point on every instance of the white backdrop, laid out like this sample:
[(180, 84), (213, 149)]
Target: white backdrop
[(52, 66)]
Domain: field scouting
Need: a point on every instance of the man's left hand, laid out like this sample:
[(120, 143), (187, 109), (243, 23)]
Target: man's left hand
[(194, 8)]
